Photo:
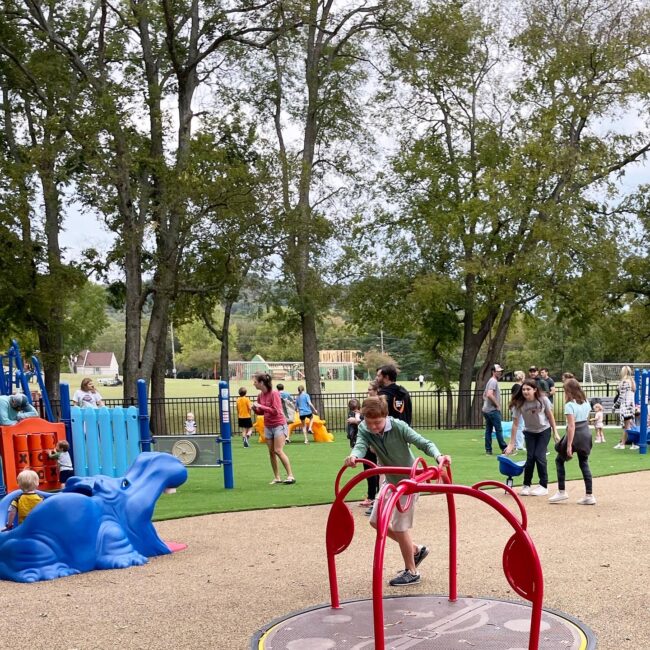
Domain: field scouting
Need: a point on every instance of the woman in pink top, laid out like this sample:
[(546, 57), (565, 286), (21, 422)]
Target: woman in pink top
[(269, 405)]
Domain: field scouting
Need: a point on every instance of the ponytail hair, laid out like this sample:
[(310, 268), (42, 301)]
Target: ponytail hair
[(264, 378)]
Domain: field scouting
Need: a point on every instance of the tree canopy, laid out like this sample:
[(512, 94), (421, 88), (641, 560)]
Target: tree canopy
[(450, 172)]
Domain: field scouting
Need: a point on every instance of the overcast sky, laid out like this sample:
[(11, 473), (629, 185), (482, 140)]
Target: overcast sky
[(82, 231)]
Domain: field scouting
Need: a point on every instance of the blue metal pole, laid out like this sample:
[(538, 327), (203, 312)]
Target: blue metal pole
[(11, 355), (66, 415), (643, 426), (637, 383), (143, 416), (41, 384), (226, 439), (21, 377), (4, 389)]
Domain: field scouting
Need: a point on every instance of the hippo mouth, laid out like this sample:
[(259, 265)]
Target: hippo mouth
[(132, 499)]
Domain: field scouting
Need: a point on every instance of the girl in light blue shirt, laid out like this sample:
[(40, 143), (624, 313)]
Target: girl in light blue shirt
[(576, 441)]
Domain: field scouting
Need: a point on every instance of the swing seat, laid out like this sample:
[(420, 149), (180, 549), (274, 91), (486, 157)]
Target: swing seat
[(510, 468)]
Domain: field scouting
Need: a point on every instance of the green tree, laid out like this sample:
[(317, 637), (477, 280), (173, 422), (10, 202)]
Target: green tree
[(374, 358), (311, 90), (39, 99), (493, 188), (234, 229), (137, 61), (85, 319)]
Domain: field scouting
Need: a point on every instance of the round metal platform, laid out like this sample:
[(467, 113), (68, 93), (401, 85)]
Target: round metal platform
[(423, 623)]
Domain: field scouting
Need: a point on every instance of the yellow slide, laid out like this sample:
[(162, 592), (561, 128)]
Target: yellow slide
[(319, 430)]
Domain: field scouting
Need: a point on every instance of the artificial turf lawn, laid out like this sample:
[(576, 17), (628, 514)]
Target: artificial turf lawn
[(315, 467)]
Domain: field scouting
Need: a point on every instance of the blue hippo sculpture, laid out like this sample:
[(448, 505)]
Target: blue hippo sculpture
[(97, 522)]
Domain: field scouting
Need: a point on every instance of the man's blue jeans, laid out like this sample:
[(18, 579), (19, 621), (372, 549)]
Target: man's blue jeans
[(493, 423)]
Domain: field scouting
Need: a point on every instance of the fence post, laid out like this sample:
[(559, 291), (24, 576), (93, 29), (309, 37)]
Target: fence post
[(226, 439)]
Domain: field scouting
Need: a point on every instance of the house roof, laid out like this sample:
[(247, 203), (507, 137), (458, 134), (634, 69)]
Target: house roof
[(87, 359)]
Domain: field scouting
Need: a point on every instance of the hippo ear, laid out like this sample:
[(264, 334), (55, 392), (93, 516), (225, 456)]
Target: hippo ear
[(80, 485)]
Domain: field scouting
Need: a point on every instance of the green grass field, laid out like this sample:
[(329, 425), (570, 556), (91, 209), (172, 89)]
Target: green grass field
[(209, 387), (316, 465)]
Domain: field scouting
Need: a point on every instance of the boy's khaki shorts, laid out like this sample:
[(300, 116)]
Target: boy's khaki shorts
[(399, 521)]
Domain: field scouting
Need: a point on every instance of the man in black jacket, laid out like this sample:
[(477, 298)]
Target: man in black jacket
[(398, 398)]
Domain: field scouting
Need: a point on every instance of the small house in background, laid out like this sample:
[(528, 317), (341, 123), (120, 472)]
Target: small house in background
[(96, 363)]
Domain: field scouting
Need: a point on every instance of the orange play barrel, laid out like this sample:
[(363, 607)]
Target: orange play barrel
[(21, 452), (48, 441), (40, 470), (52, 475), (36, 454)]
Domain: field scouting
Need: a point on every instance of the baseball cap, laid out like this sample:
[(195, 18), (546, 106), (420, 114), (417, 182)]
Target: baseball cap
[(497, 368), (532, 368)]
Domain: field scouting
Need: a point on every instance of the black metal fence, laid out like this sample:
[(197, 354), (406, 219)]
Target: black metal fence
[(435, 409)]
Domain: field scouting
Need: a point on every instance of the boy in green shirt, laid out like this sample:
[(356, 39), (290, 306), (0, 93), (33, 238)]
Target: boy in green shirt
[(390, 439)]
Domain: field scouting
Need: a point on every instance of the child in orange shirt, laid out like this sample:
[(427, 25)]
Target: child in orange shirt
[(244, 416)]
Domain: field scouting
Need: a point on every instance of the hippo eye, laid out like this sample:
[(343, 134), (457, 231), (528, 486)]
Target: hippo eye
[(125, 483)]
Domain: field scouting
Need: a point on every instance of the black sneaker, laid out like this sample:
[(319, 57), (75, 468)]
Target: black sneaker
[(404, 579), (488, 453), (246, 442), (368, 512), (420, 555)]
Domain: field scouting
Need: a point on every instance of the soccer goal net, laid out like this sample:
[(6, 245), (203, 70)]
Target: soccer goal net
[(607, 373)]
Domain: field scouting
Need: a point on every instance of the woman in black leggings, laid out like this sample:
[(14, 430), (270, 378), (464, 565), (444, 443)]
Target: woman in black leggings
[(577, 441)]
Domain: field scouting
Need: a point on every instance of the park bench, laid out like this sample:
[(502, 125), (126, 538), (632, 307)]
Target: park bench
[(607, 402)]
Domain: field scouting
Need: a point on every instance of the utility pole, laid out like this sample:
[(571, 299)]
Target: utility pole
[(381, 337), (171, 331)]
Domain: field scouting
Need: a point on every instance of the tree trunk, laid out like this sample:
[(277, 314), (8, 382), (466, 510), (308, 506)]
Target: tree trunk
[(310, 357), (224, 357), (158, 420), (468, 411), (471, 348), (50, 329), (495, 345), (132, 233)]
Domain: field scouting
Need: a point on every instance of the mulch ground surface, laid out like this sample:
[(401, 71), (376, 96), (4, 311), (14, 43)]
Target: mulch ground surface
[(244, 569)]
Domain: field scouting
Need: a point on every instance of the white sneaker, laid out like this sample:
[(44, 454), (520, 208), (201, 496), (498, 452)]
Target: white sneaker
[(560, 495), (539, 491), (634, 446), (619, 446), (587, 500), (525, 491)]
